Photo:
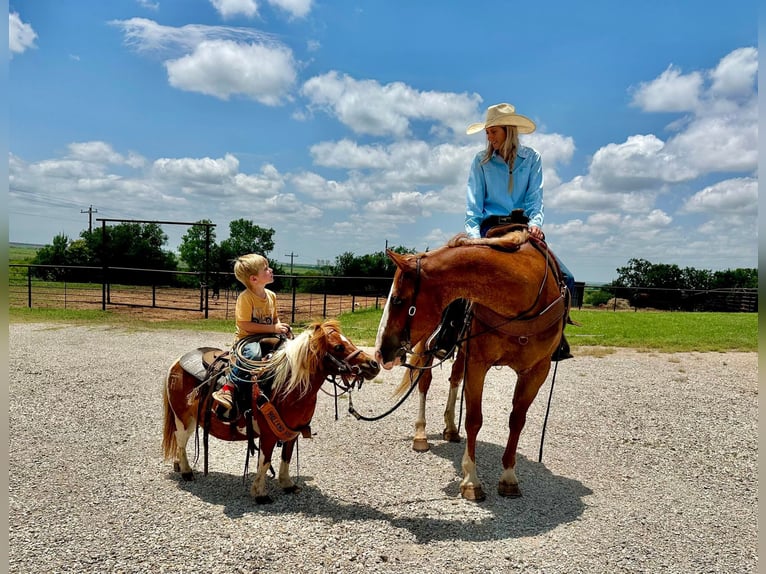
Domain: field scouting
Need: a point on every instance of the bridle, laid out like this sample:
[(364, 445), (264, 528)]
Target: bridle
[(407, 345), (351, 375)]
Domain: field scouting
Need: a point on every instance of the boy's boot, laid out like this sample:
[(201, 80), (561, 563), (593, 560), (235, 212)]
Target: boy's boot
[(442, 342), (562, 352)]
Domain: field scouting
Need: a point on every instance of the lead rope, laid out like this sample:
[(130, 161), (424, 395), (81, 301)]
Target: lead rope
[(547, 410)]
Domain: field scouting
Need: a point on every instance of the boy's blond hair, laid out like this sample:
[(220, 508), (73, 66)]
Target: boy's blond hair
[(247, 265)]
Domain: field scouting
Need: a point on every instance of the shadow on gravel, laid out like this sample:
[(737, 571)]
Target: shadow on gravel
[(548, 501)]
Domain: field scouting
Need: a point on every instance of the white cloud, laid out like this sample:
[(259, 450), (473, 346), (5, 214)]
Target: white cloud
[(738, 195), (368, 107), (203, 170), (223, 68), (21, 36), (149, 5), (219, 61), (296, 8), (670, 92), (147, 36), (735, 74), (232, 8)]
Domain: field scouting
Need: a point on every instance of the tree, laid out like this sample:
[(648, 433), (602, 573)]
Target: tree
[(194, 250), (247, 237), (53, 254)]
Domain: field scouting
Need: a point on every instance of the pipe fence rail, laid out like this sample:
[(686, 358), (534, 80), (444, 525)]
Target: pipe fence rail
[(300, 297)]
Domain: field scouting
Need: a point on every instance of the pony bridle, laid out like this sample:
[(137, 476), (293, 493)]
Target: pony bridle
[(350, 374)]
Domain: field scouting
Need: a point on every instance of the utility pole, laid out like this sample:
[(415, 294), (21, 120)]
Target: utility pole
[(90, 211), (292, 256)]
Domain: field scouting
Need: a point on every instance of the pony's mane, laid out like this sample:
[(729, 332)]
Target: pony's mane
[(295, 362)]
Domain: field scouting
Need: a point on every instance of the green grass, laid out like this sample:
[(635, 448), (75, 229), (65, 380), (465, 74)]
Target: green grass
[(20, 254), (657, 331), (665, 331)]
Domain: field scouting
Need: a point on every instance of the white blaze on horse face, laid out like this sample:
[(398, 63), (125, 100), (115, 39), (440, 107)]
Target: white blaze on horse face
[(381, 328)]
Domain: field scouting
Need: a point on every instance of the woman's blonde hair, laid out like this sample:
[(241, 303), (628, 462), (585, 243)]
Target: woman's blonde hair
[(507, 151), (247, 265)]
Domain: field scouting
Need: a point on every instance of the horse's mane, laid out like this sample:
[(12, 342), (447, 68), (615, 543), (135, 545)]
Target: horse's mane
[(509, 241), (295, 362)]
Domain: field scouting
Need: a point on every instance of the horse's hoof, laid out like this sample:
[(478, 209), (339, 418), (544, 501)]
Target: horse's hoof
[(187, 476), (475, 493), (420, 445), (509, 490), (265, 499), (294, 489), (176, 467), (451, 436)]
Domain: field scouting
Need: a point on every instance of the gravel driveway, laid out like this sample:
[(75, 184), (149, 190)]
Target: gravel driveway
[(650, 465)]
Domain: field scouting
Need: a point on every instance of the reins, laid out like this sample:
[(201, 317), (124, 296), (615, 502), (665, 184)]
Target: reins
[(399, 403)]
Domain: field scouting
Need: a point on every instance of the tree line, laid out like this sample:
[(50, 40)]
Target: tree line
[(143, 246)]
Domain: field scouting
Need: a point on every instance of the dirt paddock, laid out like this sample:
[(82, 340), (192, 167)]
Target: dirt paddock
[(649, 465)]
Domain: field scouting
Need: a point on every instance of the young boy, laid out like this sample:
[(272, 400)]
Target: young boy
[(255, 313)]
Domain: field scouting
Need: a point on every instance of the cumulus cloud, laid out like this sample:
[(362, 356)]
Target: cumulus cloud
[(368, 107), (670, 92), (735, 74), (718, 134), (224, 68), (21, 36), (218, 61), (295, 8), (233, 8), (738, 195)]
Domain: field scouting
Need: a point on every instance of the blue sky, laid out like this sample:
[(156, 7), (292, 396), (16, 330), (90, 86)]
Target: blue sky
[(342, 124)]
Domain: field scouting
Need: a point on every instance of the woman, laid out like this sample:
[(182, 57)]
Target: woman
[(503, 177)]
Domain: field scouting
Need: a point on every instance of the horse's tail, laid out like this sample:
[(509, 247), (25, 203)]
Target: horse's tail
[(419, 359), (169, 444)]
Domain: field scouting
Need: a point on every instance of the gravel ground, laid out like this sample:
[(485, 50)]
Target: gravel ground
[(650, 465)]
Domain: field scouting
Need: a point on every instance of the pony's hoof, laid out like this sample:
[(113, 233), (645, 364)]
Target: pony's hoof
[(509, 490), (294, 489), (451, 436), (475, 493), (420, 445), (176, 467), (187, 476), (265, 499)]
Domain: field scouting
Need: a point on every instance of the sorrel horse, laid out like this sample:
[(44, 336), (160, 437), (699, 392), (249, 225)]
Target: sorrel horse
[(519, 312), (280, 410)]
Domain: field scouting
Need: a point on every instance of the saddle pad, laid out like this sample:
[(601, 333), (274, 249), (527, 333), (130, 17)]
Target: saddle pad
[(192, 363)]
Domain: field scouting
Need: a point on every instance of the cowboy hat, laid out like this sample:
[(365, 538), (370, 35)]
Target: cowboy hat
[(503, 115)]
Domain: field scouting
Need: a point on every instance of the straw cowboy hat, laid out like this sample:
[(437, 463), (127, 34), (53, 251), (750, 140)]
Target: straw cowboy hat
[(503, 115)]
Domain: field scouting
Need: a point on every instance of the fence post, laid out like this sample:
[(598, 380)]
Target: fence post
[(29, 287), (292, 320)]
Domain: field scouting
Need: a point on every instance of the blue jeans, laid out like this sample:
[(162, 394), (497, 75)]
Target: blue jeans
[(251, 351)]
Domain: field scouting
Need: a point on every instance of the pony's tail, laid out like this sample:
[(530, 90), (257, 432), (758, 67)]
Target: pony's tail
[(169, 444)]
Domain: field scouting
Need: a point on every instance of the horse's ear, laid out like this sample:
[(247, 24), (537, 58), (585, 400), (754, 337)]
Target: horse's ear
[(399, 260)]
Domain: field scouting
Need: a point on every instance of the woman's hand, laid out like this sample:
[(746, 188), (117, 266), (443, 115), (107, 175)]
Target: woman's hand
[(536, 232)]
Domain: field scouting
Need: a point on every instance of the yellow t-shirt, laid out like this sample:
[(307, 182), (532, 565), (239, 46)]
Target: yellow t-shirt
[(250, 307)]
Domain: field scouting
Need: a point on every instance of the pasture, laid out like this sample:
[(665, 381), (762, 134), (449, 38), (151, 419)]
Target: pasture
[(650, 464)]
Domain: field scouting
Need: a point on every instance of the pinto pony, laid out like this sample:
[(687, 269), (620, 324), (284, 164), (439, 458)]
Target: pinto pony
[(518, 315), (296, 372)]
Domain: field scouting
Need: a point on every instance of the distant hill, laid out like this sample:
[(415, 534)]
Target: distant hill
[(27, 245)]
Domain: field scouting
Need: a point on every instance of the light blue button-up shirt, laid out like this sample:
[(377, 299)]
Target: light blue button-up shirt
[(487, 192)]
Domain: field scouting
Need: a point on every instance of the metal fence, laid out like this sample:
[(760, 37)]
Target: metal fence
[(300, 297)]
